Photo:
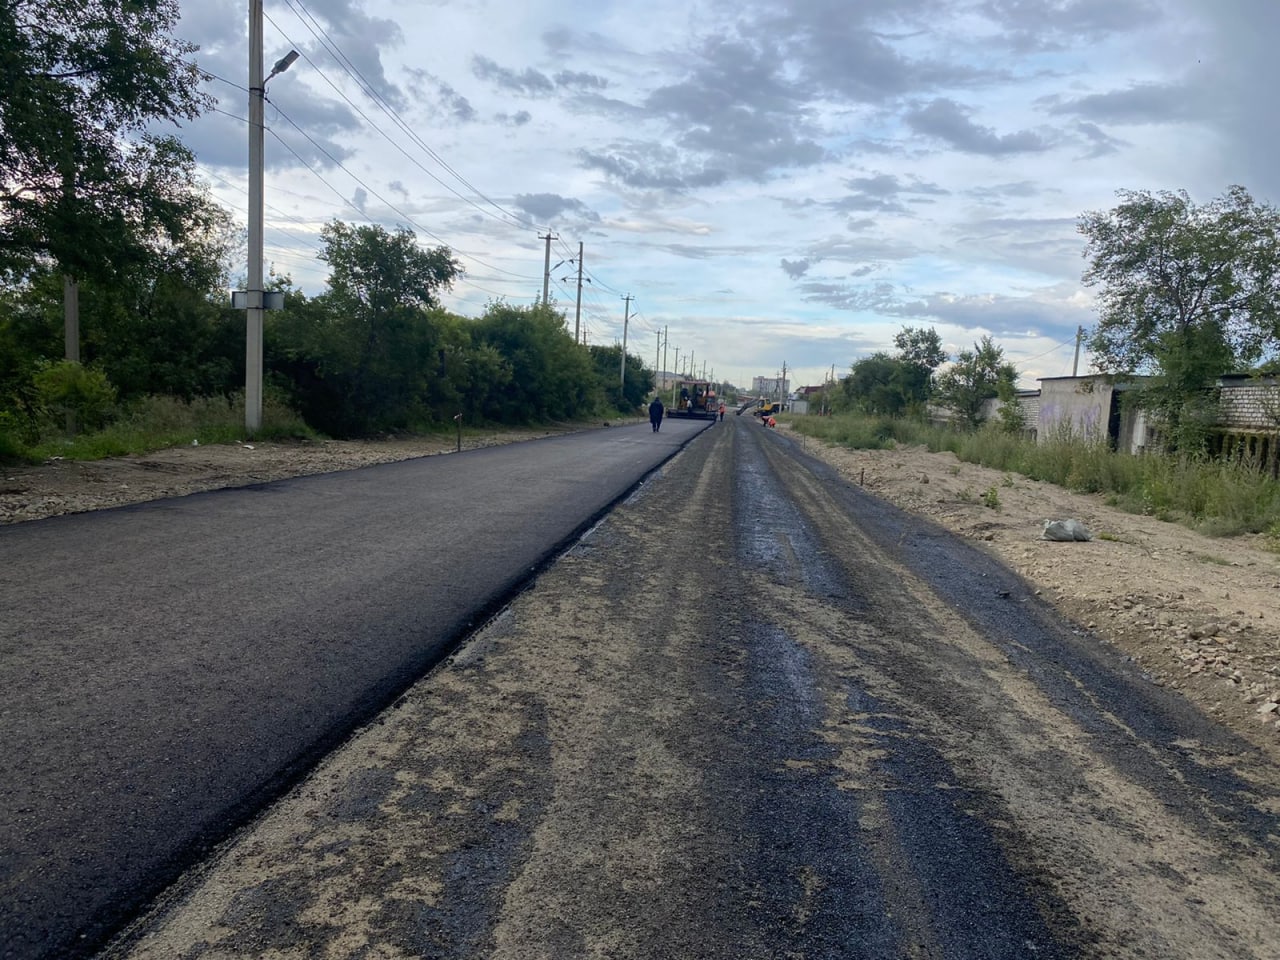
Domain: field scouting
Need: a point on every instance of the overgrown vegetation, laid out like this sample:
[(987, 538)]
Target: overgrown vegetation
[(103, 217), (1215, 497), (1186, 294)]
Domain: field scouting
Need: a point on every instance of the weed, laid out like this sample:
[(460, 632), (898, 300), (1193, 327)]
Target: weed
[(1214, 497), (991, 499)]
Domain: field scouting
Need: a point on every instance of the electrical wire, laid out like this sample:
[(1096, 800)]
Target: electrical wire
[(408, 219), (332, 48)]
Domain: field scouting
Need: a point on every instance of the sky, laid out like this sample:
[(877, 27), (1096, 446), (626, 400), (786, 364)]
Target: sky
[(772, 182)]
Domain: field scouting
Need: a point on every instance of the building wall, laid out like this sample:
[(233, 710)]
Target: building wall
[(1081, 405), (1252, 405), (1248, 407), (775, 387)]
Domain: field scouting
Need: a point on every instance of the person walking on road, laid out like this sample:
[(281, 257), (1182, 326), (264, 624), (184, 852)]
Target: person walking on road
[(722, 410), (655, 413)]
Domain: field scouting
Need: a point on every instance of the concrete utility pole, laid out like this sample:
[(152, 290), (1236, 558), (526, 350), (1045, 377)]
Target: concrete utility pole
[(71, 316), (253, 288), (677, 364), (692, 371), (546, 269), (254, 300), (665, 340), (70, 291), (626, 317), (657, 353), (577, 313), (1075, 363)]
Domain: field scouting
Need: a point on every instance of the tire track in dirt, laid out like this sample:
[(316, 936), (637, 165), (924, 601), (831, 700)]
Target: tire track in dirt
[(1147, 846)]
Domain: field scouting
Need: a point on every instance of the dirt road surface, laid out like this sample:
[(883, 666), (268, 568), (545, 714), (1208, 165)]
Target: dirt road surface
[(759, 713)]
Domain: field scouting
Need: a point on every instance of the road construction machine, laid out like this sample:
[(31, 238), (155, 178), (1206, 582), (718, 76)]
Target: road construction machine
[(694, 400), (766, 408)]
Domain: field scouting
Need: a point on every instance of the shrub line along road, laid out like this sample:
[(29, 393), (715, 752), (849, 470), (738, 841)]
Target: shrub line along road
[(170, 666), (755, 713)]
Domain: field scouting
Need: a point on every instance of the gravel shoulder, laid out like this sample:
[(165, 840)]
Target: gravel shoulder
[(1198, 614)]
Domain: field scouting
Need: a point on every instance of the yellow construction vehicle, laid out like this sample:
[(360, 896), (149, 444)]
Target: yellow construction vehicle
[(767, 408)]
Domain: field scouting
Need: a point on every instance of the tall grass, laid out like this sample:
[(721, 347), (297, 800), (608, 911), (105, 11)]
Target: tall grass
[(157, 422), (1215, 497)]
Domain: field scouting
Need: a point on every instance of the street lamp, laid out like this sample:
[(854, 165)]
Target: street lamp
[(253, 294)]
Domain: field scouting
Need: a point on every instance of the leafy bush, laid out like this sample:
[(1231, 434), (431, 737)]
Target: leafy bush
[(66, 388)]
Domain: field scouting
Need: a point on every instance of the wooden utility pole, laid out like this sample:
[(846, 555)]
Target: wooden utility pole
[(577, 313), (622, 371)]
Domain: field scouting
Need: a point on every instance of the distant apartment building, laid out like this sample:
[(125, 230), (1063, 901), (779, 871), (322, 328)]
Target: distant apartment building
[(774, 387)]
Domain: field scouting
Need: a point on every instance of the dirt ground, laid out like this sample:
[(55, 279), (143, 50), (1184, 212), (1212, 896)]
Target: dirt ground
[(1198, 614)]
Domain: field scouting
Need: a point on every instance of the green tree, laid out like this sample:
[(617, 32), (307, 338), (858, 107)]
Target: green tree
[(369, 353), (637, 379), (899, 383), (874, 384), (920, 347), (1186, 293), (81, 181), (920, 353), (552, 377), (976, 376), (157, 327)]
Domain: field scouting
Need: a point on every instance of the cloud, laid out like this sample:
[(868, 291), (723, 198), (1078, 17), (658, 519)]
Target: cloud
[(946, 120), (309, 131), (1020, 189), (529, 82), (548, 207), (1100, 142), (884, 193), (1049, 313), (738, 111), (848, 50), (1039, 25), (795, 269), (652, 166), (1140, 103), (361, 38), (517, 119), (580, 81)]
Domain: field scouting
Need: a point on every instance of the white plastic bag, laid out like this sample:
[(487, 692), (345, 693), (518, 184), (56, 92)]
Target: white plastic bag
[(1065, 530)]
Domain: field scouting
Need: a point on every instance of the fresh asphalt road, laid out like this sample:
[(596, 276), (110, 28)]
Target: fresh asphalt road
[(170, 667)]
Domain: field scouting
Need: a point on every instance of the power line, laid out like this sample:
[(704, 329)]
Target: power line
[(408, 219), (344, 62)]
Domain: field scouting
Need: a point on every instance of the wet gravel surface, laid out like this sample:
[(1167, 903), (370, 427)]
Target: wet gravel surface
[(756, 713)]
